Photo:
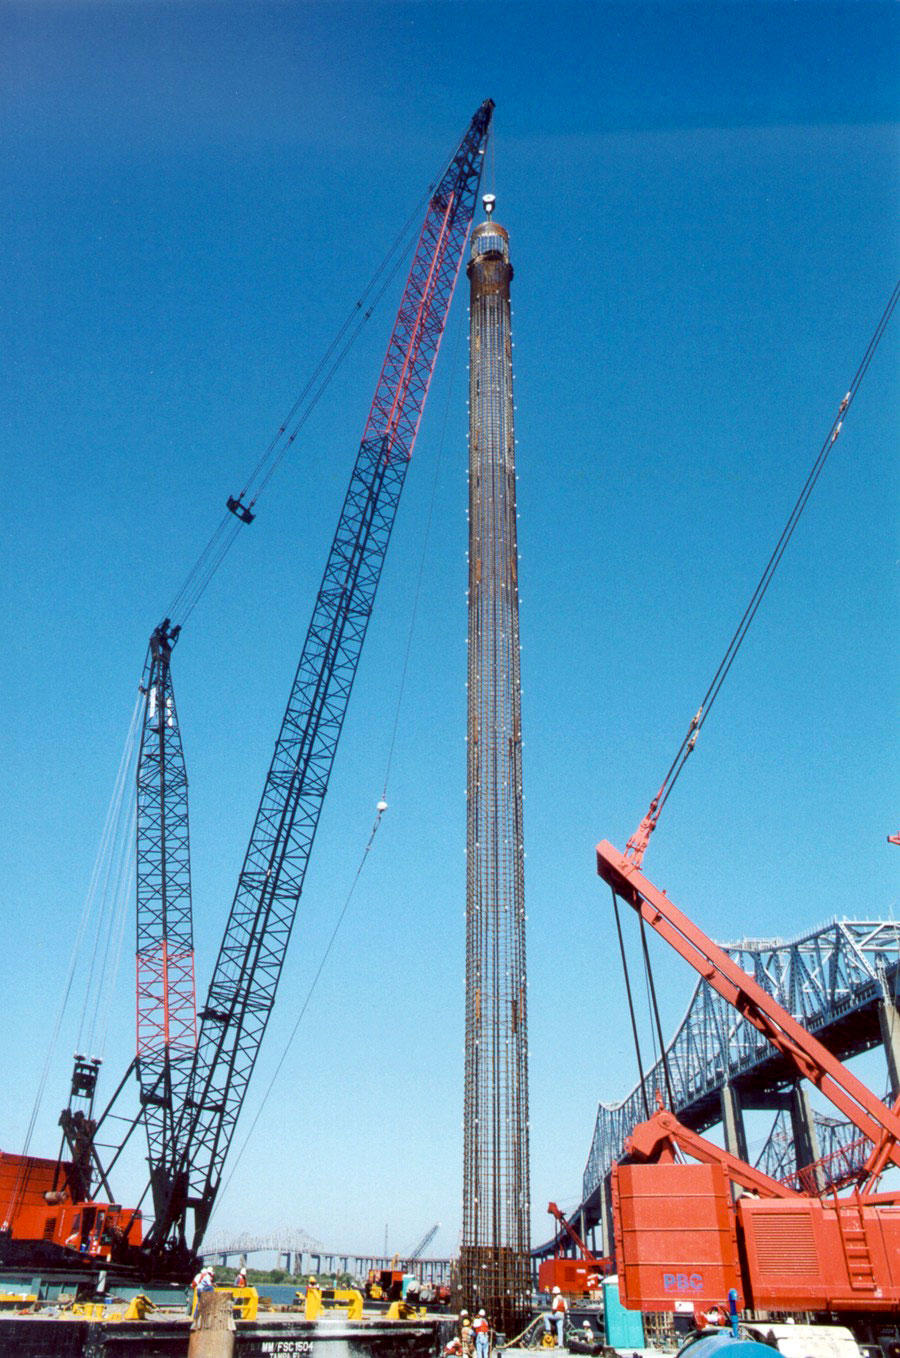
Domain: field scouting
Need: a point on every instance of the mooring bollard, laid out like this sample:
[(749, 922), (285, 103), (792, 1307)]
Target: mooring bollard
[(212, 1330)]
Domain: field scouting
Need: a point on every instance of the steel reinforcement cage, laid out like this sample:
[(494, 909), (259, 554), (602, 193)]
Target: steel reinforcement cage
[(494, 1258)]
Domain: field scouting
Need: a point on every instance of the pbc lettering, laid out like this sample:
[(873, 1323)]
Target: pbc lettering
[(683, 1282)]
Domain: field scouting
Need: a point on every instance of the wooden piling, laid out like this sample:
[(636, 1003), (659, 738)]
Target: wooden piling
[(212, 1330)]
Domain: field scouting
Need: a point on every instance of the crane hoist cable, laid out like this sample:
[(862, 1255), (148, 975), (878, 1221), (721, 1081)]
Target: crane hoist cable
[(637, 844), (634, 1030), (382, 804), (426, 537), (240, 508), (110, 837), (379, 812)]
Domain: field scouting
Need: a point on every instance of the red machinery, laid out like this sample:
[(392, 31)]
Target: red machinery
[(679, 1233), (576, 1277), (46, 1215)]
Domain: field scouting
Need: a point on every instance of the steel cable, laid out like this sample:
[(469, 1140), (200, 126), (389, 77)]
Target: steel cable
[(382, 805), (637, 1044), (687, 745), (218, 546), (107, 839)]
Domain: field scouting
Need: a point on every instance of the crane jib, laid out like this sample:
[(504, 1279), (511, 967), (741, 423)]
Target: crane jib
[(258, 929)]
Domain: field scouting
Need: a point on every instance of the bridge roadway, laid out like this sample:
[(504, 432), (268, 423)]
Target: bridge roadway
[(841, 982), (302, 1254)]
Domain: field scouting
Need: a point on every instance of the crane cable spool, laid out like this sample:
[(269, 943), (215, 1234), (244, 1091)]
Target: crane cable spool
[(637, 844)]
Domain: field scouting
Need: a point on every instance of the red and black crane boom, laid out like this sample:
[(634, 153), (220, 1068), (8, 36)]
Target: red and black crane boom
[(188, 1170), (166, 994), (192, 1084)]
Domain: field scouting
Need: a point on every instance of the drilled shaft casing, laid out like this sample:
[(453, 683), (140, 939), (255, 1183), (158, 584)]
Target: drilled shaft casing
[(495, 1266)]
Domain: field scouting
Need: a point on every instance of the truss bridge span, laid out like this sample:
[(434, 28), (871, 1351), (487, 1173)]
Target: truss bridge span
[(840, 981), (299, 1253)]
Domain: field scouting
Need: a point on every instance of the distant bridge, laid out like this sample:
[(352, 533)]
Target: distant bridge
[(301, 1253), (840, 982)]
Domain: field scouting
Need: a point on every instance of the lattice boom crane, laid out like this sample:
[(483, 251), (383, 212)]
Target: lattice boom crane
[(166, 995), (242, 990)]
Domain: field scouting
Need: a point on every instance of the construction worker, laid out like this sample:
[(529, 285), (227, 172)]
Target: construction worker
[(207, 1281), (557, 1317), (482, 1332), (465, 1334), (240, 1278)]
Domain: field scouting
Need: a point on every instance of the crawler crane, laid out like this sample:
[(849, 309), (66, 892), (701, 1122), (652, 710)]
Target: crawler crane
[(680, 1235), (193, 1082)]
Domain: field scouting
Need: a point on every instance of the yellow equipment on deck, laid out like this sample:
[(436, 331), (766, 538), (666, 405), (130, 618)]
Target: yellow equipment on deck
[(136, 1309), (244, 1302), (401, 1310), (319, 1299)]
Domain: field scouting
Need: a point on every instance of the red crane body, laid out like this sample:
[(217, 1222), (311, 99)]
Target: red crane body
[(575, 1277), (680, 1236)]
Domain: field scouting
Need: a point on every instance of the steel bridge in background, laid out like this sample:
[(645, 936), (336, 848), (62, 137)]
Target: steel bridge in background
[(841, 982), (300, 1253)]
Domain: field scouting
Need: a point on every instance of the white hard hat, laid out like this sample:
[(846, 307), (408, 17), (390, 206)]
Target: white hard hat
[(556, 1289), (481, 1313)]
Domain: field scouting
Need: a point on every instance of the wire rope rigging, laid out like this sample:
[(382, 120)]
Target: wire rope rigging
[(232, 1022), (637, 844), (194, 1067), (382, 804)]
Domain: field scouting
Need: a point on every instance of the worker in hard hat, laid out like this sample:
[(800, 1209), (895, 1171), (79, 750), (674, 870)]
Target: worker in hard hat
[(556, 1318), (465, 1333), (482, 1332)]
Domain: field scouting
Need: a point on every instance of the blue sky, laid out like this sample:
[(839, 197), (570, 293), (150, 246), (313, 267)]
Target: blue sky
[(702, 205)]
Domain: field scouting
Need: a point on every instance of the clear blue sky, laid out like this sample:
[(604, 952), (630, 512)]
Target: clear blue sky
[(702, 203)]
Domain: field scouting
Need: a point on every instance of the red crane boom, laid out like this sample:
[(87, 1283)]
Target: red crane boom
[(780, 1250)]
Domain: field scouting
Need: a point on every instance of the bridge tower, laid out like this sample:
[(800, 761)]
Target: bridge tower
[(494, 1257)]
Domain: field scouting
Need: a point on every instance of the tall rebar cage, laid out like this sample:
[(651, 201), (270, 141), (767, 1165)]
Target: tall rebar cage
[(494, 1257)]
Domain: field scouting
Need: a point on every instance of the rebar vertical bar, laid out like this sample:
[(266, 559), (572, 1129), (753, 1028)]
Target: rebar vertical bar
[(495, 1255)]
